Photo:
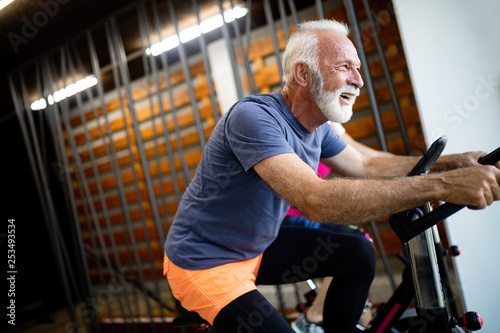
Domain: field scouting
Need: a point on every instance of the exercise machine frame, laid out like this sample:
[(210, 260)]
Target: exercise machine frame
[(425, 270)]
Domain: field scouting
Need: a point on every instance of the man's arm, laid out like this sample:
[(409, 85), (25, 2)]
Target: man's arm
[(349, 201), (358, 160), (355, 162), (363, 149), (361, 161)]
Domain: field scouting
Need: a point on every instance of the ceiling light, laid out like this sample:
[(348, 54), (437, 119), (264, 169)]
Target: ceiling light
[(4, 3), (63, 93), (189, 34), (195, 31)]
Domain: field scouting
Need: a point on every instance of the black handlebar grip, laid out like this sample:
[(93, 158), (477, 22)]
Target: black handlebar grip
[(431, 155), (490, 159), (448, 209)]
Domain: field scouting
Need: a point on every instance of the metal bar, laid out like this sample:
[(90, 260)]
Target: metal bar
[(97, 73), (149, 82), (248, 34), (141, 14), (43, 191), (370, 90), (93, 162), (41, 123), (232, 56), (187, 74), (18, 108), (319, 9), (77, 240), (131, 281), (180, 148), (88, 198), (118, 88), (84, 272), (281, 300), (270, 21), (206, 63), (123, 198), (388, 78), (78, 163), (351, 14), (244, 55), (295, 15), (383, 255), (58, 245), (44, 117), (100, 91), (91, 300), (284, 19), (56, 123), (120, 53), (248, 26)]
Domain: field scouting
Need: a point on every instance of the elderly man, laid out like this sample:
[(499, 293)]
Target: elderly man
[(261, 158)]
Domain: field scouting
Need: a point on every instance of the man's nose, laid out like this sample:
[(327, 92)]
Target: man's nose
[(355, 79)]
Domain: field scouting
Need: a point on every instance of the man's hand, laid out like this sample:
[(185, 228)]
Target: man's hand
[(476, 187)]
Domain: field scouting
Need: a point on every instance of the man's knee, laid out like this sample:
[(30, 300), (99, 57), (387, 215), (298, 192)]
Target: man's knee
[(248, 313), (367, 256)]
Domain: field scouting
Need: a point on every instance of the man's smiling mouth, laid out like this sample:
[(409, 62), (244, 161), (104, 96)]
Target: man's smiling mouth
[(346, 96)]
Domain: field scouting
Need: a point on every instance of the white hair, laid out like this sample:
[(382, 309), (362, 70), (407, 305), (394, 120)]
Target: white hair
[(302, 46)]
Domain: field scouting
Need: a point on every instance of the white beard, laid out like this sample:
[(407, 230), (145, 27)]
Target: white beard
[(329, 102)]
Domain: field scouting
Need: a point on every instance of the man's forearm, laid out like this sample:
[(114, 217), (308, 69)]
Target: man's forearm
[(390, 167), (351, 201), (345, 201), (399, 166)]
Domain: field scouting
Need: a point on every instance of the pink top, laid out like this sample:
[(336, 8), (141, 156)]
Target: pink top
[(323, 170)]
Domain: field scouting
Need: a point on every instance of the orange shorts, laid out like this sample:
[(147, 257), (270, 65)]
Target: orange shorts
[(207, 291)]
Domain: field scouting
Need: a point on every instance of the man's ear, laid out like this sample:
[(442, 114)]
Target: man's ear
[(301, 74)]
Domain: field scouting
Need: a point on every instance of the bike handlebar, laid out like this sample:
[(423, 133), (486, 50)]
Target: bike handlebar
[(490, 159), (406, 230)]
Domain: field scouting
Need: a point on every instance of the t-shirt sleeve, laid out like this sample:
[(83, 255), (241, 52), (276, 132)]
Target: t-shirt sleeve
[(332, 144), (253, 134)]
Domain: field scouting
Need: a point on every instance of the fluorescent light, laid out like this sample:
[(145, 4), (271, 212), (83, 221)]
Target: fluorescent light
[(211, 24), (63, 93), (167, 44), (237, 12), (39, 105), (190, 34), (195, 31), (4, 3)]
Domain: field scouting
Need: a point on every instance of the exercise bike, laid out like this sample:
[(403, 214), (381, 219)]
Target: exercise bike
[(422, 279)]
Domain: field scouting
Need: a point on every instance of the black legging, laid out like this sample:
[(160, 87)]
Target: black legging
[(299, 254)]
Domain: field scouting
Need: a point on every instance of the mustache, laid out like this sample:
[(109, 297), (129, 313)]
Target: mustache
[(349, 89)]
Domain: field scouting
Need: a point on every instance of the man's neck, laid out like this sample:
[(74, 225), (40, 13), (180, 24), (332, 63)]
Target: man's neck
[(303, 107)]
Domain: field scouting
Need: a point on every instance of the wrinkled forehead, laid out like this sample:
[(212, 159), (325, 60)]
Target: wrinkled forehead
[(336, 47)]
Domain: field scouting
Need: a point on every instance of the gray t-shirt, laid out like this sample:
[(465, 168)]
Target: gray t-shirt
[(228, 213)]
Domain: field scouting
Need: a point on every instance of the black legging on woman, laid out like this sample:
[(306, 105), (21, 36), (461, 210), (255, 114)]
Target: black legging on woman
[(301, 253)]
